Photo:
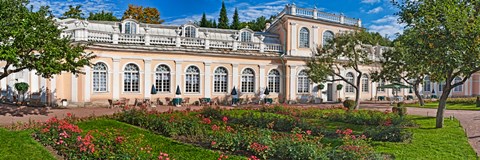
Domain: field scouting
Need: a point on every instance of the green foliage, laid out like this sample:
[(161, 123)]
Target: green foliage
[(389, 134), (204, 22), (321, 86), (41, 49), (236, 20), (223, 18), (349, 104), (21, 87), (102, 16), (339, 87), (73, 12), (18, 144)]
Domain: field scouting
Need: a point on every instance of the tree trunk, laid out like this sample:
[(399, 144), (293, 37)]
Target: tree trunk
[(417, 93), (441, 106), (357, 91)]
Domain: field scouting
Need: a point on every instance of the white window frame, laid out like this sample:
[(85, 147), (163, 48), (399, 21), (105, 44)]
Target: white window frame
[(190, 32), (327, 35), (303, 82), (274, 81), (246, 36), (427, 87), (220, 80), (365, 83), (248, 81), (380, 84), (101, 73), (130, 74), (304, 38), (350, 77), (130, 27), (457, 88), (193, 77), (163, 79)]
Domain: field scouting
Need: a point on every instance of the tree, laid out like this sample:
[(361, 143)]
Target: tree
[(223, 20), (42, 49), (448, 37), (102, 16), (403, 63), (236, 20), (349, 50), (204, 22), (73, 12), (214, 24), (144, 15)]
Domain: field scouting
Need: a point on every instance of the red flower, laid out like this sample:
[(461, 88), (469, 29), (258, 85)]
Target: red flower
[(253, 158), (69, 114), (119, 139), (207, 120), (213, 143), (229, 129), (215, 127), (309, 132), (225, 119)]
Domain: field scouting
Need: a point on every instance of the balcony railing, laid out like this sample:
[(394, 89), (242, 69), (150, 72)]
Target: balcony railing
[(82, 34), (292, 9)]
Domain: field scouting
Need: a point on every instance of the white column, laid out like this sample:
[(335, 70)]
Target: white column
[(3, 83), (33, 82), (74, 88), (43, 86), (53, 89), (178, 75), (235, 75), (293, 87), (315, 37), (87, 91), (147, 77), (293, 36), (11, 84), (116, 78), (208, 80), (262, 78), (315, 15), (470, 86)]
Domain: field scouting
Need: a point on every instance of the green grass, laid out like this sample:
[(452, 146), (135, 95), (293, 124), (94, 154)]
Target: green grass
[(428, 142), (176, 150), (21, 145), (449, 106)]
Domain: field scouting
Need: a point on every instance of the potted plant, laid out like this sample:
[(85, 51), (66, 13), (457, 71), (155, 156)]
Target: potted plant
[(22, 88), (321, 86)]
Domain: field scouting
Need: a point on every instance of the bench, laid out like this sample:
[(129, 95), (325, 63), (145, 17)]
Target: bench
[(121, 103)]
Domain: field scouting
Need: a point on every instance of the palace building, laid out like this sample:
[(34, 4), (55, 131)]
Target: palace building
[(133, 58)]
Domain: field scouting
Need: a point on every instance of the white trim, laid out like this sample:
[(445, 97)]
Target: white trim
[(74, 88), (255, 81), (147, 78), (53, 89), (87, 92), (139, 82), (228, 80), (182, 60), (107, 80), (185, 80), (154, 77), (235, 77), (116, 88), (33, 82), (262, 78), (207, 79)]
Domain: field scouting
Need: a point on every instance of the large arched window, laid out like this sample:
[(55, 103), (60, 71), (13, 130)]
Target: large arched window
[(349, 77), (365, 85), (457, 88), (192, 80), (426, 84), (304, 38), (162, 78), (303, 83), (130, 28), (131, 79), (274, 81), (220, 80), (190, 31), (248, 80), (246, 37), (100, 73), (380, 84), (327, 36)]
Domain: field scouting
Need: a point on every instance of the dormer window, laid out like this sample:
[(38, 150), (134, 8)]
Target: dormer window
[(130, 28), (190, 31), (246, 37)]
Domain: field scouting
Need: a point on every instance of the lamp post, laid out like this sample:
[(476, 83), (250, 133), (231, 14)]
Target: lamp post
[(177, 101), (234, 97)]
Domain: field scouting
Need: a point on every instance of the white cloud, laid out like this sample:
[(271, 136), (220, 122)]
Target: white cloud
[(375, 10), (387, 26), (59, 7), (370, 1)]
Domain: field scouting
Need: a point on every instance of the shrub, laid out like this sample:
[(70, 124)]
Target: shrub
[(478, 101), (349, 104), (465, 100), (353, 147), (400, 109), (389, 133)]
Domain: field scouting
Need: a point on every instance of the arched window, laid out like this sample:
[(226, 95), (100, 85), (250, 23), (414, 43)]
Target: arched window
[(440, 86), (131, 79), (130, 28), (327, 36), (100, 73), (274, 81), (246, 37), (426, 84), (248, 80), (220, 80), (457, 88), (349, 77), (190, 31), (380, 84), (303, 83), (304, 38), (192, 80), (365, 83), (162, 78)]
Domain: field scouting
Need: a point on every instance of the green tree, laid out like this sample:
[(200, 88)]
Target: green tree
[(102, 16), (214, 24), (236, 20), (144, 15), (223, 19), (347, 50), (403, 62), (448, 37), (204, 22), (73, 12), (41, 49)]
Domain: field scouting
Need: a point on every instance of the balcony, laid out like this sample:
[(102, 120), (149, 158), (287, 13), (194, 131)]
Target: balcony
[(292, 9)]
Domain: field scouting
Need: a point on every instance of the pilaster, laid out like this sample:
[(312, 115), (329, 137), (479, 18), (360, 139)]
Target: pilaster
[(148, 77), (208, 79), (87, 91), (116, 88), (293, 36), (262, 78), (178, 75), (235, 75)]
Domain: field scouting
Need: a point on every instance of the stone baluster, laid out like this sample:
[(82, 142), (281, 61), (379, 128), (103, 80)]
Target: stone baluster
[(116, 31), (293, 9), (81, 33), (235, 42), (178, 39), (147, 36), (207, 41), (262, 44), (342, 19), (315, 13)]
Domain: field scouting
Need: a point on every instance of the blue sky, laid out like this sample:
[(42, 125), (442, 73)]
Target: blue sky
[(376, 15)]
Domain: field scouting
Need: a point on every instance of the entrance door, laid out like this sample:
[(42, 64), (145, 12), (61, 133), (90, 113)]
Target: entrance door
[(329, 92)]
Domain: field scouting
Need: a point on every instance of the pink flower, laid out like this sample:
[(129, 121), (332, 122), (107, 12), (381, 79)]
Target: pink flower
[(207, 120), (69, 114), (225, 119), (213, 143), (215, 127), (309, 132)]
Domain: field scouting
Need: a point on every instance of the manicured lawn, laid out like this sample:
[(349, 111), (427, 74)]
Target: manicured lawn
[(158, 143), (21, 145), (449, 106), (431, 143)]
